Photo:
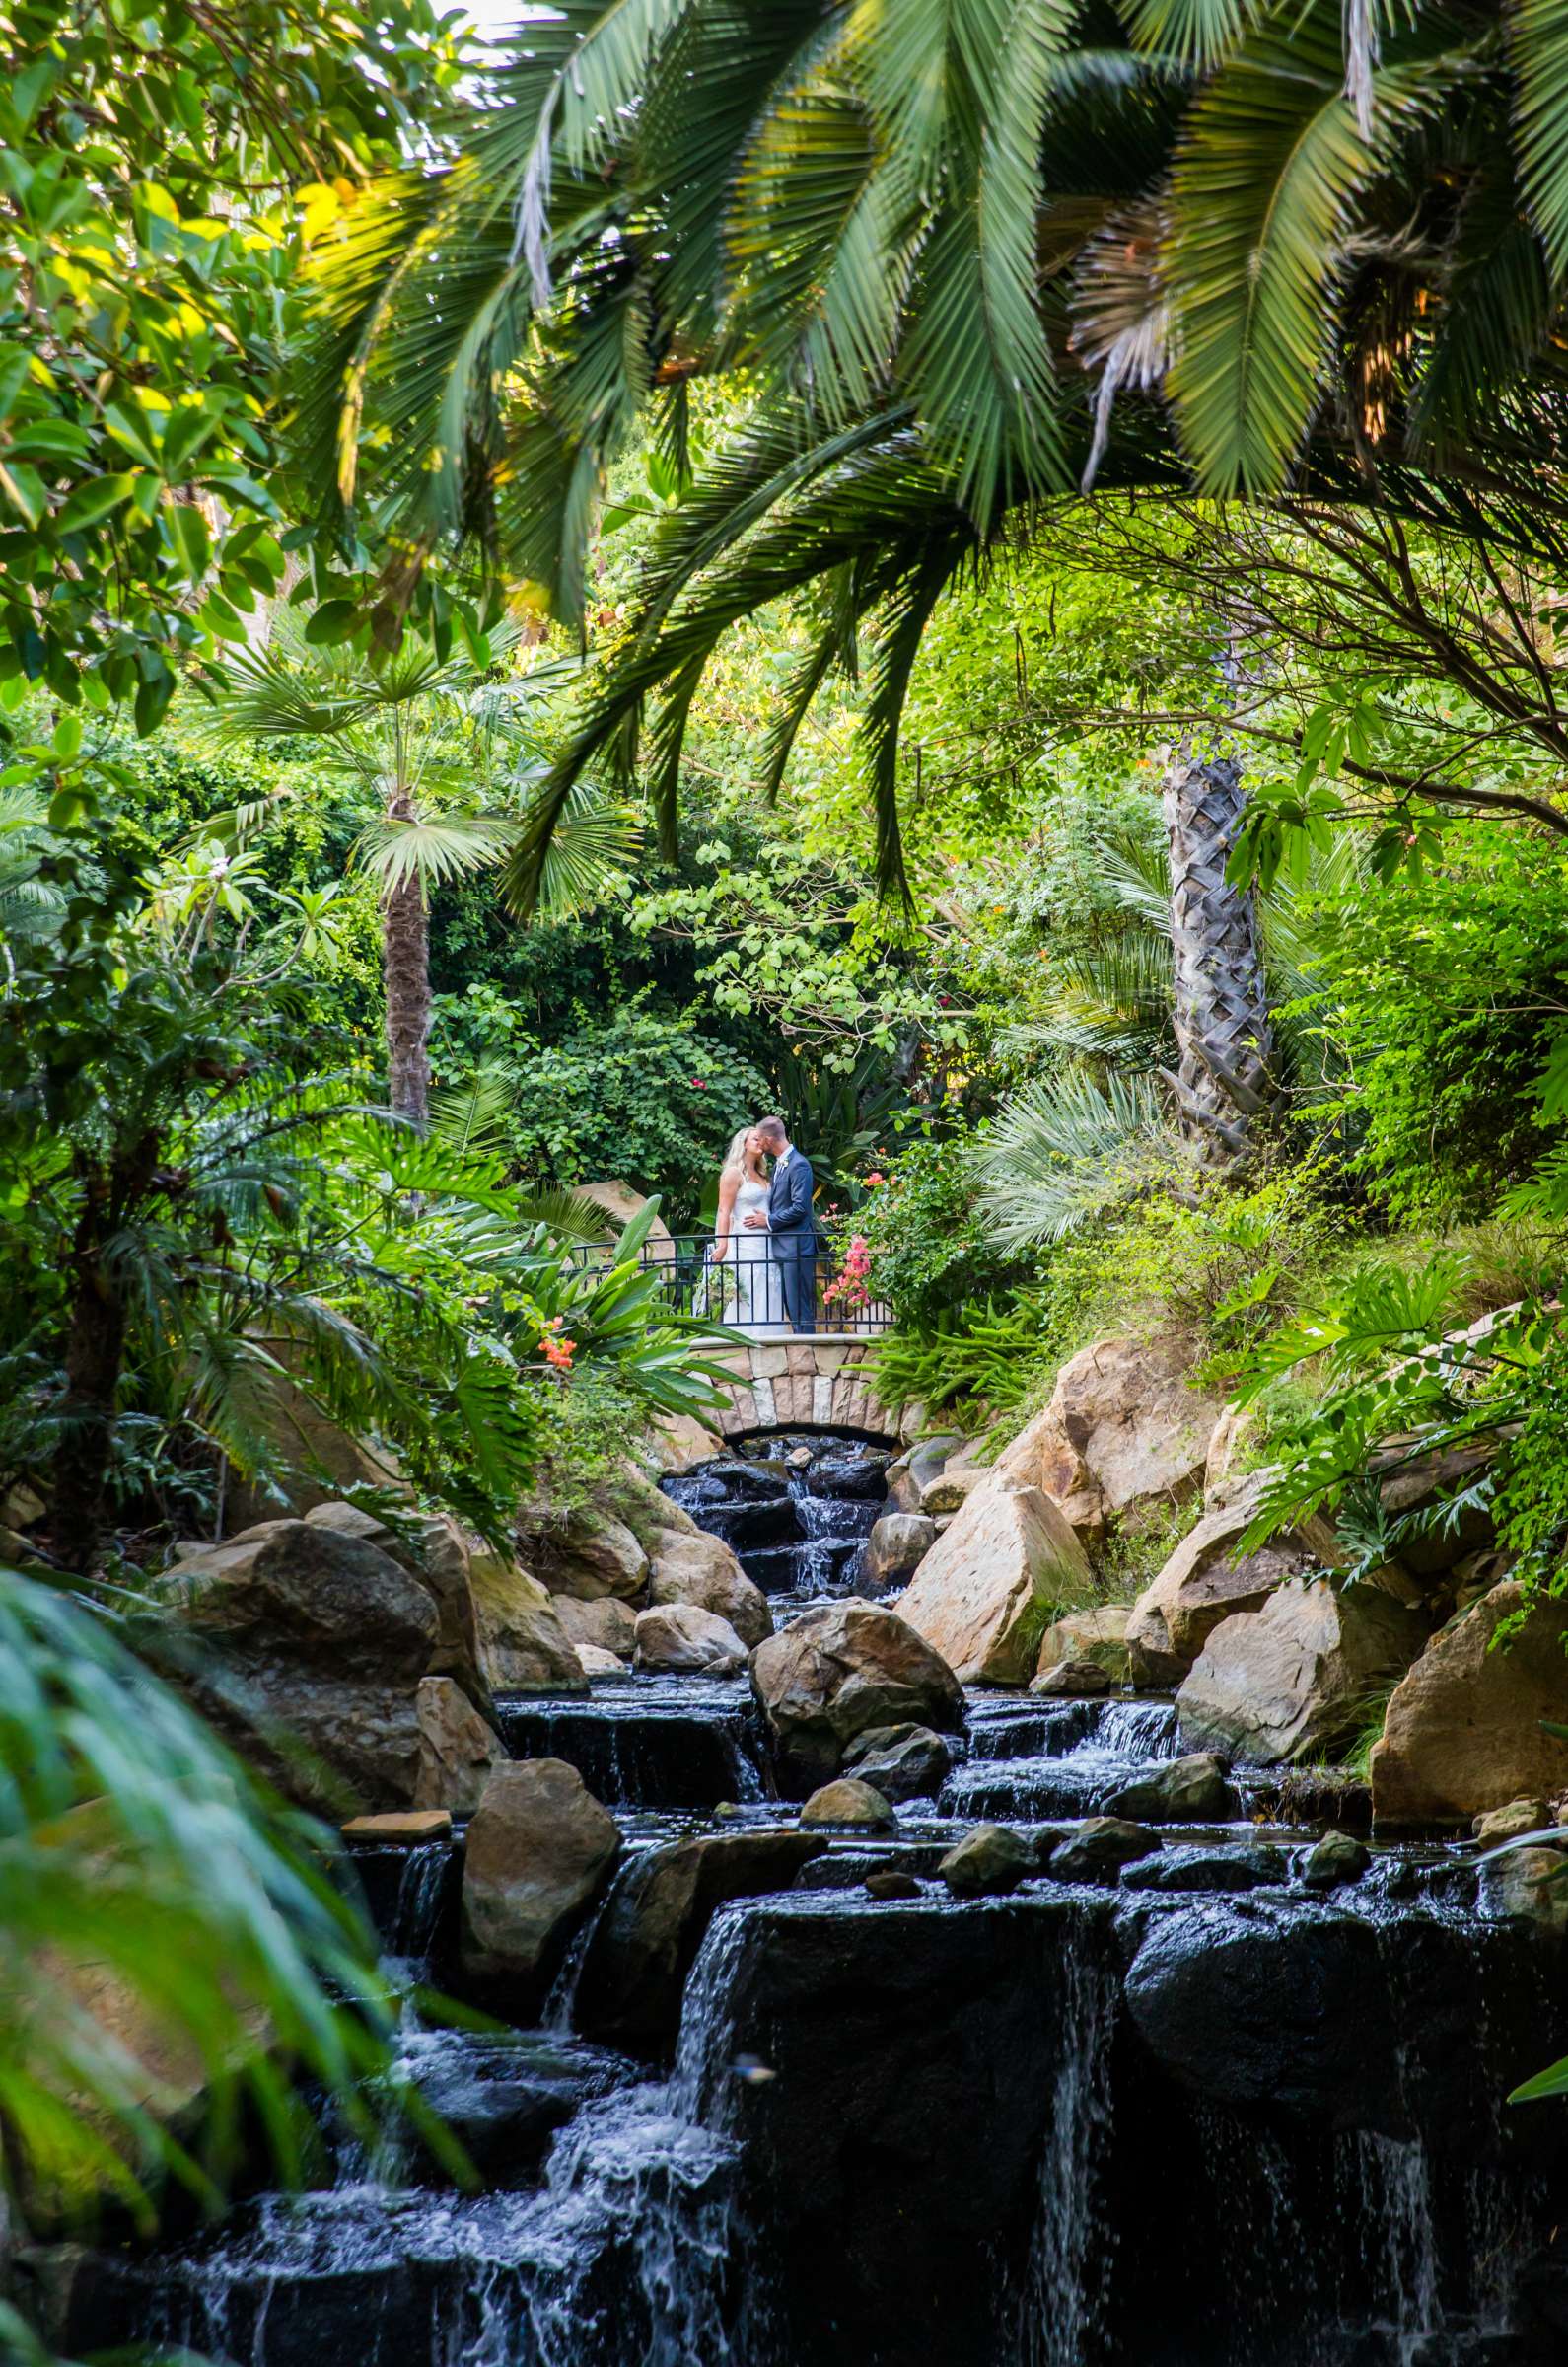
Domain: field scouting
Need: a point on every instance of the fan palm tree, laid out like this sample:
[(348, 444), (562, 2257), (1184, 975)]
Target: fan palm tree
[(447, 759)]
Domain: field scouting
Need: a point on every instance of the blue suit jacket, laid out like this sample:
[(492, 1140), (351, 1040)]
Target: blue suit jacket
[(789, 1208)]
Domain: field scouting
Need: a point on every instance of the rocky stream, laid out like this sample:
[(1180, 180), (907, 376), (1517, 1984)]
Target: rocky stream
[(1147, 2073)]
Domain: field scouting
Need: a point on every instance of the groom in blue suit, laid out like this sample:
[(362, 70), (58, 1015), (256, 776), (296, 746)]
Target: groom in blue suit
[(791, 1225)]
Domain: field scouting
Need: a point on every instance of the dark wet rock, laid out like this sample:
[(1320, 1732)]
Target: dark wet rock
[(1072, 1680), (835, 1672), (892, 1883), (1100, 1848), (1177, 1791), (647, 1939), (853, 1471), (727, 1480), (1286, 2007), (904, 1762), (1337, 1858), (988, 1862), (539, 1847), (850, 1802), (504, 2098), (754, 1527), (1209, 1870), (846, 1868), (916, 2057)]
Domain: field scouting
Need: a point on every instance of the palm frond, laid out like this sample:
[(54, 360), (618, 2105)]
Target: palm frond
[(433, 849), (1261, 193), (1067, 1149)]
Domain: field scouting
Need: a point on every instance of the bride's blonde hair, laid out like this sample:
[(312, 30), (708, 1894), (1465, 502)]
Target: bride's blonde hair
[(734, 1156)]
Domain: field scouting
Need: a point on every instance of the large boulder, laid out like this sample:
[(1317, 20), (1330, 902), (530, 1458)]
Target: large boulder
[(523, 1643), (1463, 1729), (992, 1584), (1263, 2008), (703, 1571), (608, 1625), (437, 1552), (647, 1939), (1209, 1578), (1099, 1636), (1419, 1485), (680, 1638), (1295, 1678), (895, 1548), (320, 1640), (848, 1801), (539, 1847), (309, 1458), (1125, 1433), (904, 1762), (680, 1442), (834, 1672), (589, 1553), (456, 1747)]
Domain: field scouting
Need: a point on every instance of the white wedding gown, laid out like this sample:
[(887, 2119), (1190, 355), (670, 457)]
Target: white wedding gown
[(759, 1297)]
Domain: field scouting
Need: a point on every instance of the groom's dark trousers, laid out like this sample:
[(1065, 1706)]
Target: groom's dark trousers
[(792, 1230)]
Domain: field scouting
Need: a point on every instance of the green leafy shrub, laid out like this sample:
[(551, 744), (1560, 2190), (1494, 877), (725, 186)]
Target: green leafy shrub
[(644, 1099), (932, 1250), (1445, 1004), (983, 1359)]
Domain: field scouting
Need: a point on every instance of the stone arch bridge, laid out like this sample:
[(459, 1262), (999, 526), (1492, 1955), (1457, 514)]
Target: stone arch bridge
[(819, 1383)]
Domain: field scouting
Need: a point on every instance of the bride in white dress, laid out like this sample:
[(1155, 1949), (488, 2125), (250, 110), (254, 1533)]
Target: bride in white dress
[(754, 1299)]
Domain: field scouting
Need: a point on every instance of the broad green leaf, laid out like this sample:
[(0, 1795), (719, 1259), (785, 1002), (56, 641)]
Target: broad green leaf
[(1537, 34), (334, 621), (92, 502)]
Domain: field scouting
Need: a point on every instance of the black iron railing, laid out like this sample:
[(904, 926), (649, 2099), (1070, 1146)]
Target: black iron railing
[(768, 1288)]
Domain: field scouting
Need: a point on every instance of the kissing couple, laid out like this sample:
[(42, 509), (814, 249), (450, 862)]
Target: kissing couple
[(765, 1235)]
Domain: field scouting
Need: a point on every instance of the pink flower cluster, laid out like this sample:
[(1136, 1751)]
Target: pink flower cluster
[(851, 1287)]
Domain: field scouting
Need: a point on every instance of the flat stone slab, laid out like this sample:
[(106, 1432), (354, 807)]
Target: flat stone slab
[(400, 1825)]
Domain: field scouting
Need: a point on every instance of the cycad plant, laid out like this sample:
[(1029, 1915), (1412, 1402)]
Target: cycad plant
[(1103, 1117), (444, 755)]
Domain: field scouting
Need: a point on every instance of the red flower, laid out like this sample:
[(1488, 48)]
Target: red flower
[(874, 1179), (698, 1081)]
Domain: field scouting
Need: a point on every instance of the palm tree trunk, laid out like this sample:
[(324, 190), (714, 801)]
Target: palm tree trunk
[(406, 978), (95, 1350), (1224, 1040)]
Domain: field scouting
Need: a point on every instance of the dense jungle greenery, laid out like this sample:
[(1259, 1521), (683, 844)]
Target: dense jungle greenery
[(350, 538)]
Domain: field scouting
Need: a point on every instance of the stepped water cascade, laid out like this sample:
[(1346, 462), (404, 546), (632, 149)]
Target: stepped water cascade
[(1210, 2118)]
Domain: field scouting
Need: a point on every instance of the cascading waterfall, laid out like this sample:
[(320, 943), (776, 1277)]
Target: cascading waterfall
[(1064, 2127), (1394, 2181), (1062, 2322)]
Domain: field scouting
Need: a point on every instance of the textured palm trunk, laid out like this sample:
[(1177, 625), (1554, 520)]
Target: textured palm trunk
[(1224, 1042), (95, 1350), (405, 977)]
